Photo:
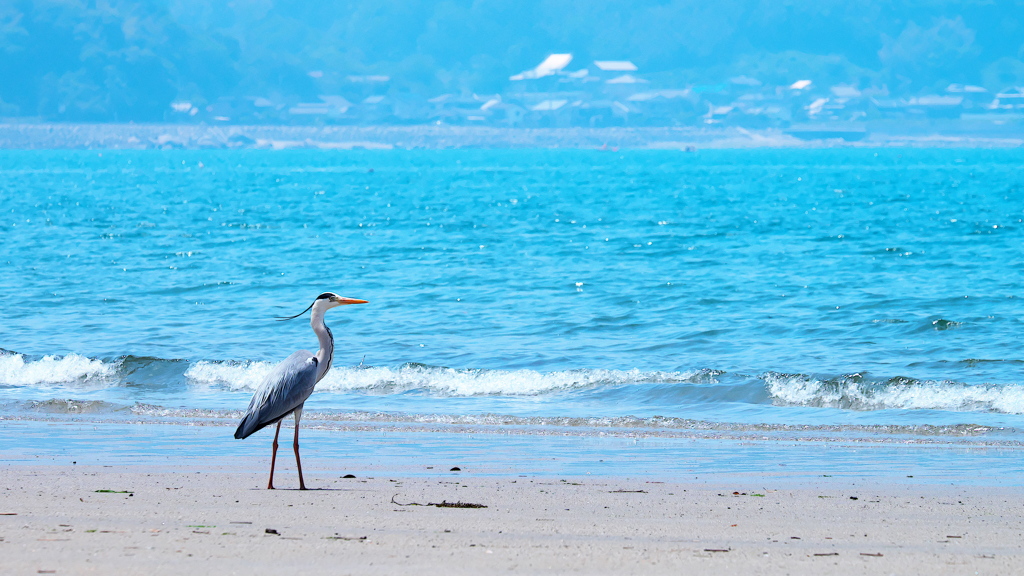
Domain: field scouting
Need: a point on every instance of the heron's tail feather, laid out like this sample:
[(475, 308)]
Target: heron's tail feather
[(248, 425)]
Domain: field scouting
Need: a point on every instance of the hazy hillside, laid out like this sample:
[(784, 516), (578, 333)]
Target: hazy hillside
[(128, 60)]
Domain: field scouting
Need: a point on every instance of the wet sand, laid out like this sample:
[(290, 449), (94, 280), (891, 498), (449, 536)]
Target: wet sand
[(74, 519)]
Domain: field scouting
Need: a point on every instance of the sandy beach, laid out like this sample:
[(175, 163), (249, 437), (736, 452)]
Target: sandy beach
[(75, 519)]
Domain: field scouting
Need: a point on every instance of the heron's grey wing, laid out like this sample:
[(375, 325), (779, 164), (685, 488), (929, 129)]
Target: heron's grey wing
[(284, 390)]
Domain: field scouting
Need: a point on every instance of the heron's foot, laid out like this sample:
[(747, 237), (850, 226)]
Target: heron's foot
[(270, 486), (303, 487)]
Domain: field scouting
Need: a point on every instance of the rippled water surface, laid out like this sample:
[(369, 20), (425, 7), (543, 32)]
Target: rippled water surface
[(819, 287)]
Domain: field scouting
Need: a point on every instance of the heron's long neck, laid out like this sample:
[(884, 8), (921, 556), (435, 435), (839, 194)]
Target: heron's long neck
[(325, 354)]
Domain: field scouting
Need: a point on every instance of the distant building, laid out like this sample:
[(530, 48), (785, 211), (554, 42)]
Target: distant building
[(550, 109), (716, 114), (665, 107), (369, 79), (551, 65), (844, 91), (615, 65), (1009, 99), (618, 78), (328, 106), (656, 94), (626, 79), (501, 112), (935, 106), (601, 113), (965, 89), (459, 109), (548, 105)]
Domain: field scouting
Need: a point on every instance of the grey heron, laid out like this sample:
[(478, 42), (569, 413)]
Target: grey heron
[(290, 383)]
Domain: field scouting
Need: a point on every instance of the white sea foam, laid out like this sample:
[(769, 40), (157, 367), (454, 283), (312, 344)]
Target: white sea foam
[(443, 381), (232, 375), (16, 371), (852, 393)]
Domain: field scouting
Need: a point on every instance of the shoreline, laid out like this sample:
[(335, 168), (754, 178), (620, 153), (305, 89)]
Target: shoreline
[(941, 435), (496, 453), (974, 428), (61, 136)]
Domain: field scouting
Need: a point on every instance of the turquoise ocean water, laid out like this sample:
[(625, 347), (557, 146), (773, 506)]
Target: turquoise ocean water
[(836, 289)]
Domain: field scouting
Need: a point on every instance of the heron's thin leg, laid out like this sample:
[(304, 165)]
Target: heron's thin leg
[(295, 446), (273, 457)]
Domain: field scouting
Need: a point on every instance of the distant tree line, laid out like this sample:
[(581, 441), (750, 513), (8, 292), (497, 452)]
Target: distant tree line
[(127, 60)]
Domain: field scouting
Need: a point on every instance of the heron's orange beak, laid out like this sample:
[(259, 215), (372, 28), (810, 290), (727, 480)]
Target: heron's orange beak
[(343, 301)]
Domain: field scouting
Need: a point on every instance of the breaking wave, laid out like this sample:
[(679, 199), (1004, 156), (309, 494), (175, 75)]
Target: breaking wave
[(610, 391), (15, 370), (442, 381), (852, 392)]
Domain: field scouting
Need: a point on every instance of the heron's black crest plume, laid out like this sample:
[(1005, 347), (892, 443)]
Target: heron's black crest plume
[(324, 296), (281, 318)]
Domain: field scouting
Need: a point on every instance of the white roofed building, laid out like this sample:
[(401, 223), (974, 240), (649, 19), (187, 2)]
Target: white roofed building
[(548, 105), (615, 65), (665, 108), (551, 65), (626, 79), (329, 105)]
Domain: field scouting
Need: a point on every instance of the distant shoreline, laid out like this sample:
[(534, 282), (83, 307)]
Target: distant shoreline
[(61, 136)]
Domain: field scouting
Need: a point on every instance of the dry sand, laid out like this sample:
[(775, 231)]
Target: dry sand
[(75, 520)]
